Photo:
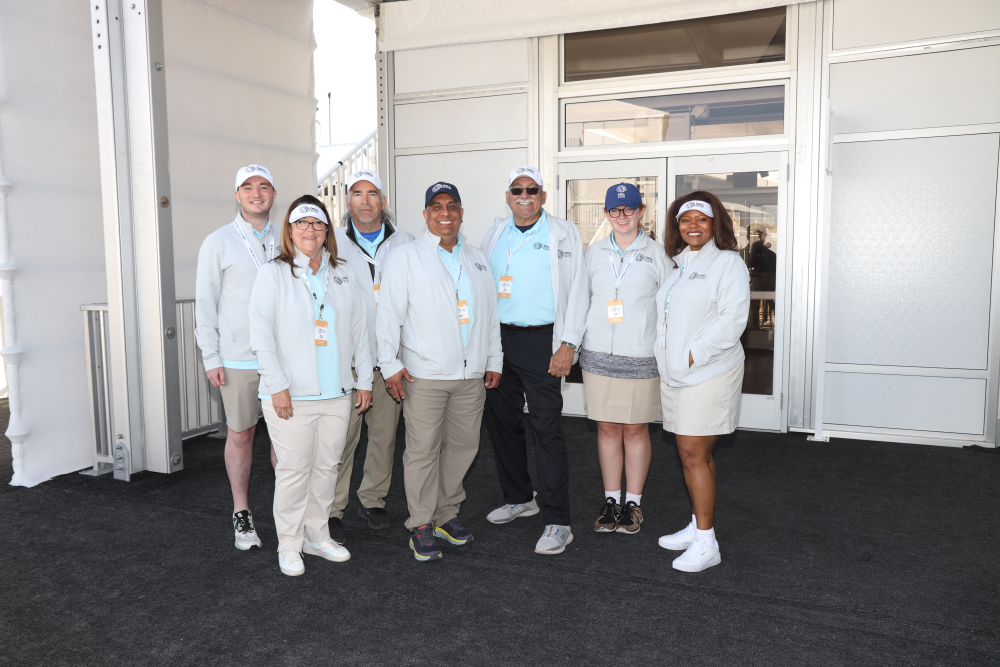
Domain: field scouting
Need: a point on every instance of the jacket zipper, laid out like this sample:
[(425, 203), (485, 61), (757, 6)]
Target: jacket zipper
[(621, 262)]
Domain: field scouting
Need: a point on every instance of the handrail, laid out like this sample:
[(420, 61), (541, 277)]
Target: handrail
[(331, 185)]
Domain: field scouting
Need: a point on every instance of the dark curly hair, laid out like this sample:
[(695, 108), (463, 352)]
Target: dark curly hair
[(722, 224)]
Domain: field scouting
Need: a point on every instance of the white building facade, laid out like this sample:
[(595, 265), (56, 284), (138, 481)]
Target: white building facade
[(854, 142)]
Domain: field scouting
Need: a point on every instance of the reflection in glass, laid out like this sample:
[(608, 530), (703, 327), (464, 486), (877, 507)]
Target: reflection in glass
[(751, 198), (715, 41), (745, 112), (585, 205)]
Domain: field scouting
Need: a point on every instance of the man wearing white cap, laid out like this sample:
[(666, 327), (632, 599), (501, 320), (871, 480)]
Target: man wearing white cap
[(227, 267), (542, 298), (365, 238)]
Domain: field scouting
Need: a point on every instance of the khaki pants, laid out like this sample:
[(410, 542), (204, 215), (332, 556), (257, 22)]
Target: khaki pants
[(443, 418), (382, 418), (308, 447)]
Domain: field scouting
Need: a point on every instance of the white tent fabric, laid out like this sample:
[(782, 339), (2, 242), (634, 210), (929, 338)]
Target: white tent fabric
[(417, 24)]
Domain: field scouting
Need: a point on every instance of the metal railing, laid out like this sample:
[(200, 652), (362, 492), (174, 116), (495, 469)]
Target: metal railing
[(201, 403), (331, 185)]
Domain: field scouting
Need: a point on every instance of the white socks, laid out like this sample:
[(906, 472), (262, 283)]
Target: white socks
[(633, 498), (629, 497), (617, 495)]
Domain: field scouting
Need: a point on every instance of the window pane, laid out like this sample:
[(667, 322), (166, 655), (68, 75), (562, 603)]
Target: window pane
[(715, 41), (751, 198), (585, 205), (709, 115)]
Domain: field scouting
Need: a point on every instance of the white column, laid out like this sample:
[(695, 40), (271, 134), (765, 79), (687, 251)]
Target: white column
[(135, 183)]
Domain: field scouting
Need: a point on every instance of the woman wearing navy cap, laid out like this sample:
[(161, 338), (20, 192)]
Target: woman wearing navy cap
[(702, 310), (620, 378)]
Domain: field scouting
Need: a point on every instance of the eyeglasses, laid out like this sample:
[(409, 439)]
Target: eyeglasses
[(532, 190), (617, 211), (306, 224)]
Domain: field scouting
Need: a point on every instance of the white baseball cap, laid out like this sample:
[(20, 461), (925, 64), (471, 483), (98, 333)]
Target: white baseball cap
[(253, 170), (530, 172), (696, 205), (307, 211), (364, 175)]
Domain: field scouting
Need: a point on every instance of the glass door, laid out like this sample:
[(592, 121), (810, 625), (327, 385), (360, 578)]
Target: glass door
[(753, 189), (582, 188)]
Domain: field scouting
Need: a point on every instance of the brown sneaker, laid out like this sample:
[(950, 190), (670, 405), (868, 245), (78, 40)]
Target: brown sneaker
[(608, 521), (630, 519)]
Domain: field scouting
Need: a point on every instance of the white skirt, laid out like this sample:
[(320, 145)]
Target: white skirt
[(709, 408)]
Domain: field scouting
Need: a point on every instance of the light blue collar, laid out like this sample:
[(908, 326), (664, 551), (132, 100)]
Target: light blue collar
[(544, 218), (261, 234), (619, 250)]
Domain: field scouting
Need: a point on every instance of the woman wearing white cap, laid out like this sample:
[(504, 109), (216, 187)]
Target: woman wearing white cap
[(308, 328), (702, 312), (620, 379)]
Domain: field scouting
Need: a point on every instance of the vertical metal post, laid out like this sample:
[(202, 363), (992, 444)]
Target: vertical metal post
[(135, 183)]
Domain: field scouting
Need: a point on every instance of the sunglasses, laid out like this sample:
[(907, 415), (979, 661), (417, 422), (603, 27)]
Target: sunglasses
[(532, 190)]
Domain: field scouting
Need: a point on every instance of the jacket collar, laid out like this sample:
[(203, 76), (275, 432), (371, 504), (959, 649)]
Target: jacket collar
[(302, 260), (389, 230), (639, 244), (707, 250), (433, 241), (248, 228)]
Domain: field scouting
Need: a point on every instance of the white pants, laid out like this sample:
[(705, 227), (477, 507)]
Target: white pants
[(308, 447)]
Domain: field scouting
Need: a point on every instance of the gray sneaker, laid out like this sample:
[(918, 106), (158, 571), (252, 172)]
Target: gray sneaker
[(508, 513), (554, 540)]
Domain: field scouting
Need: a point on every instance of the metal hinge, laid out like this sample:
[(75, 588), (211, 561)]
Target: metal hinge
[(557, 183), (781, 402), (788, 172)]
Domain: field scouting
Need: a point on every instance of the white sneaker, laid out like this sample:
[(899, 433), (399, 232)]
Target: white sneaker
[(680, 540), (508, 513), (290, 563), (554, 540), (329, 549), (246, 534), (701, 555)]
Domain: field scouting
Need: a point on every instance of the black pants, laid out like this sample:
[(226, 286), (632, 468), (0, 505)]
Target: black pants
[(526, 356)]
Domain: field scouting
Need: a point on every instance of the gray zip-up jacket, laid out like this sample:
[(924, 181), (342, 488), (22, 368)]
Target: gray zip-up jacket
[(226, 273), (369, 271), (417, 322), (569, 278), (708, 312), (647, 272), (283, 328)]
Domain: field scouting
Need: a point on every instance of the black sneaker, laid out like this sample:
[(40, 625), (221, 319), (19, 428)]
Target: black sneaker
[(608, 521), (377, 517), (630, 519), (337, 530), (424, 545)]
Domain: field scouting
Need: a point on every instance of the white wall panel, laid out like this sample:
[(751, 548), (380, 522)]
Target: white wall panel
[(914, 403), (226, 110), (920, 91), (859, 23), (461, 66), (474, 120), (481, 179), (48, 135), (911, 249)]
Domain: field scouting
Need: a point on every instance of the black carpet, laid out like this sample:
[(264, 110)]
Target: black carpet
[(841, 553)]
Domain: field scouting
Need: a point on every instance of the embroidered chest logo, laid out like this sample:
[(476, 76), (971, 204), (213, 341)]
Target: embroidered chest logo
[(541, 246), (339, 280), (563, 253), (697, 276), (639, 257), (480, 266)]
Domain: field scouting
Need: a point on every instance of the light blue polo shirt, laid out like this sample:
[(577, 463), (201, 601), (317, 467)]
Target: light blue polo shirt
[(369, 246), (532, 302), (452, 261), (619, 250), (328, 357), (249, 364)]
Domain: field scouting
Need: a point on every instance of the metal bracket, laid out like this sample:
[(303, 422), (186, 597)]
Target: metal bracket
[(123, 462)]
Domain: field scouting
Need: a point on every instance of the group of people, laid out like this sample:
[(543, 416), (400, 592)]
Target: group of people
[(326, 326)]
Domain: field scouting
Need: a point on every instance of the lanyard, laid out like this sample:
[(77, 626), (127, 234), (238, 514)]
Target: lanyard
[(246, 242), (304, 277), (454, 280), (614, 269), (377, 263), (527, 237)]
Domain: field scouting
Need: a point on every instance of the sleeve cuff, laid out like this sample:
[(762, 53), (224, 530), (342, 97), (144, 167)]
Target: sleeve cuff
[(390, 369), (212, 363)]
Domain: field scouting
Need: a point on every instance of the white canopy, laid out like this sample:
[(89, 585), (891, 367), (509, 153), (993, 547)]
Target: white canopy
[(416, 24)]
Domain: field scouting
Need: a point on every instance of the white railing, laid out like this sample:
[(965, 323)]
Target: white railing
[(331, 185), (201, 403)]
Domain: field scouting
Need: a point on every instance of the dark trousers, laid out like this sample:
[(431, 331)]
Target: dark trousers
[(526, 356)]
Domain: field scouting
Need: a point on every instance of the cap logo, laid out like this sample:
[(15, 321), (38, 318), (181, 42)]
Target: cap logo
[(621, 188), (440, 186)]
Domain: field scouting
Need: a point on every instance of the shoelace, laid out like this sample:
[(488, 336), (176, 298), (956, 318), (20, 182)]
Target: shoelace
[(551, 531), (626, 515), (425, 538), (609, 515), (243, 523)]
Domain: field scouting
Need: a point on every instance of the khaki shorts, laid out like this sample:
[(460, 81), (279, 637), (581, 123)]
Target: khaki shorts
[(239, 398), (621, 400)]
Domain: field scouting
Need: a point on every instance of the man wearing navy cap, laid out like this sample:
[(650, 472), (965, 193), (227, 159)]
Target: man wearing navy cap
[(438, 337), (541, 292)]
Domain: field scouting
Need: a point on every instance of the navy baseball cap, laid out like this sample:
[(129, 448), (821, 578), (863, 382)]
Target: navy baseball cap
[(441, 188), (623, 194)]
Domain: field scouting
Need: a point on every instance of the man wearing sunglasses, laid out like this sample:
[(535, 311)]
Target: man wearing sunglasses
[(538, 270), (227, 267), (365, 238)]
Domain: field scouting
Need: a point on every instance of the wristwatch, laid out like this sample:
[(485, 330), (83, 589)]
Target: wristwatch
[(569, 345)]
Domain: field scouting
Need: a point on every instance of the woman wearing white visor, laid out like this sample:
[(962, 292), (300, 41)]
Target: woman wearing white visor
[(702, 312), (308, 327), (620, 379)]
